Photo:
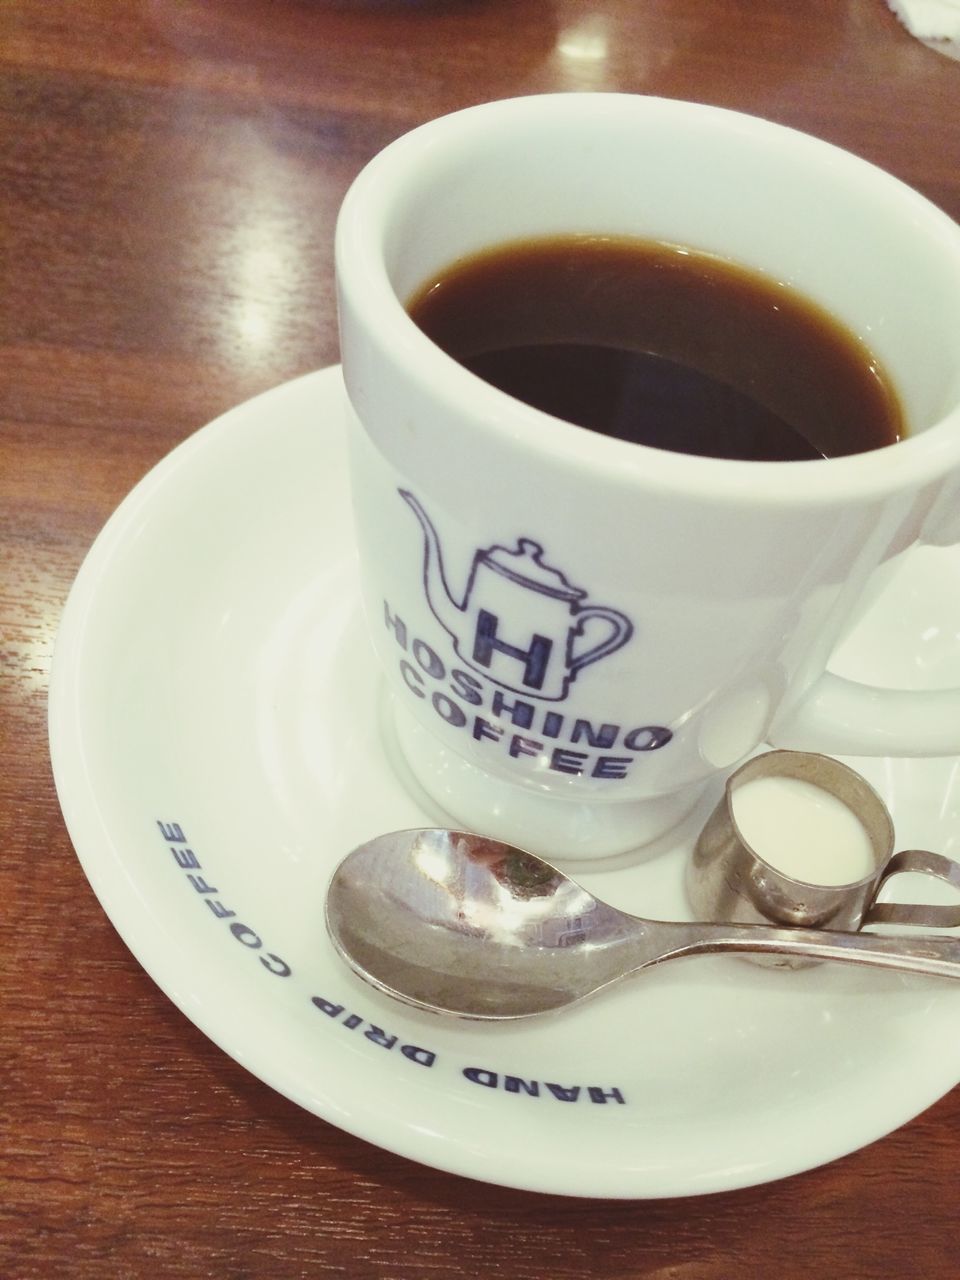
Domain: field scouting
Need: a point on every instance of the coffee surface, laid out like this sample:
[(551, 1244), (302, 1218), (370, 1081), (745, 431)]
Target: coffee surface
[(661, 345)]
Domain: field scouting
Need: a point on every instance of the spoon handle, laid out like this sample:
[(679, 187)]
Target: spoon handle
[(939, 956)]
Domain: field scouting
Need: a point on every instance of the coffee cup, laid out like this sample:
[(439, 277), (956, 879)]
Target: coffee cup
[(578, 632)]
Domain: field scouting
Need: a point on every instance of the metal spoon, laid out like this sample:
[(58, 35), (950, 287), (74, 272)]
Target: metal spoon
[(465, 925)]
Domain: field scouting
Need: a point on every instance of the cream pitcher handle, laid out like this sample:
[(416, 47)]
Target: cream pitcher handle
[(921, 915)]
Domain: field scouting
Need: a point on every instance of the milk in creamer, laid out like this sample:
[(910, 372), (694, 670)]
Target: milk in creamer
[(803, 831)]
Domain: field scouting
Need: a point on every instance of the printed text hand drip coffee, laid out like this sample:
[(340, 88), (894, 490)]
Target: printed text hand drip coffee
[(661, 345)]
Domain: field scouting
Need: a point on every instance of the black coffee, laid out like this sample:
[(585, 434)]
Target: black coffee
[(661, 345)]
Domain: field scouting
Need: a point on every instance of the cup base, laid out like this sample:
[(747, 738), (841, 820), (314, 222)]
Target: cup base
[(550, 826)]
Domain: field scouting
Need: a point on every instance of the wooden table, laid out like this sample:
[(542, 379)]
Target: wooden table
[(150, 150)]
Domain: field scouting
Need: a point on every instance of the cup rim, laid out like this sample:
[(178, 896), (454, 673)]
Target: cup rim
[(362, 278)]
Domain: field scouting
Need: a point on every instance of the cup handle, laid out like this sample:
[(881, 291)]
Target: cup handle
[(929, 916), (844, 717)]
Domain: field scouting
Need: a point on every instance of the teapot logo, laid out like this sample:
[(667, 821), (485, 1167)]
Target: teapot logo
[(519, 622)]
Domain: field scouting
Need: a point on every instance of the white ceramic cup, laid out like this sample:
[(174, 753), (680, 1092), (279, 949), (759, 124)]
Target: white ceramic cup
[(579, 632)]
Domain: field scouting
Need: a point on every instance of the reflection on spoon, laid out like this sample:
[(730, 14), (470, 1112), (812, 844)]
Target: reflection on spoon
[(461, 924)]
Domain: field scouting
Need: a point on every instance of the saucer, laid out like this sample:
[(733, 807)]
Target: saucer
[(218, 746)]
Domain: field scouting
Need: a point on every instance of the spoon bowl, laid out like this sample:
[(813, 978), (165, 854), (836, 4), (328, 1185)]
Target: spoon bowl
[(461, 924)]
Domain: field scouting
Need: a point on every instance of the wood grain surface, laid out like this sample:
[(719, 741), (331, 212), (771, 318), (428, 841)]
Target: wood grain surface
[(170, 172)]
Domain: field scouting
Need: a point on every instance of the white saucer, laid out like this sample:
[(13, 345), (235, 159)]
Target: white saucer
[(212, 675)]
